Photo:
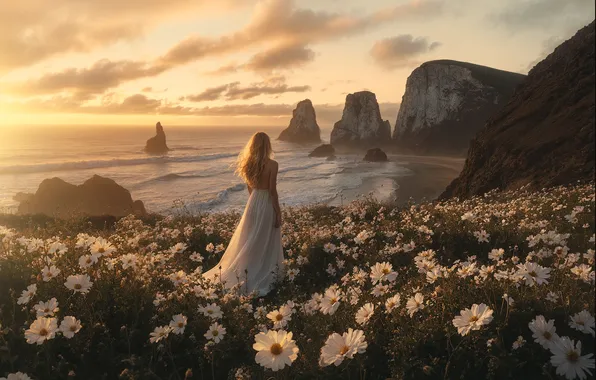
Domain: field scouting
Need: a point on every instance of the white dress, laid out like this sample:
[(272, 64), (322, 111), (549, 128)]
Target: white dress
[(254, 256)]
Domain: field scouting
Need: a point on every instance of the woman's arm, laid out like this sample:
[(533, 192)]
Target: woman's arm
[(249, 189), (274, 195)]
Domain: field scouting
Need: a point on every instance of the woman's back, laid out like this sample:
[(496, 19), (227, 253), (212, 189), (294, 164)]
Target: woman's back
[(264, 182)]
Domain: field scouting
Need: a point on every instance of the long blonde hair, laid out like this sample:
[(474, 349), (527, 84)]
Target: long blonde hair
[(251, 160)]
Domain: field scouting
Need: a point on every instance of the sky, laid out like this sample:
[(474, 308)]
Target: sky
[(246, 62)]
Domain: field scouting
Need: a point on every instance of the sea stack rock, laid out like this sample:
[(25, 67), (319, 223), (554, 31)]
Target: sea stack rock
[(375, 155), (98, 196), (447, 102), (361, 124), (325, 150), (544, 136), (157, 144), (303, 127)]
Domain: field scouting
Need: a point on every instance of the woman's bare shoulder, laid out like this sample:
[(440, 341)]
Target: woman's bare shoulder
[(272, 164)]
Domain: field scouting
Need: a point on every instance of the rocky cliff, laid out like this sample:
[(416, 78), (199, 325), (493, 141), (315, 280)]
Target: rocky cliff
[(303, 127), (96, 197), (545, 135), (447, 102), (157, 144), (361, 124)]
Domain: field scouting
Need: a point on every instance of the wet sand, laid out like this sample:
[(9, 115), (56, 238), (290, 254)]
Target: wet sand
[(427, 178)]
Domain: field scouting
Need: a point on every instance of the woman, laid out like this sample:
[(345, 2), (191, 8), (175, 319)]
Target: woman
[(254, 256)]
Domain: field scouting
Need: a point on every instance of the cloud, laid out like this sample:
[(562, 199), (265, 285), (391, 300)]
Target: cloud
[(291, 30), (286, 30), (280, 57), (234, 91), (34, 30), (96, 79), (327, 114), (544, 14), (212, 93), (398, 51)]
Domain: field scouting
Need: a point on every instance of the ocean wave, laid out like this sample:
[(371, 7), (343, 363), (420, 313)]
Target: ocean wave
[(220, 198), (96, 164)]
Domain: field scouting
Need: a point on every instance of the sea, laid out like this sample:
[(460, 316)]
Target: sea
[(196, 175)]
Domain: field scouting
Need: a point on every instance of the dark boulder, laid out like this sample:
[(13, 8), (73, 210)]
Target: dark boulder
[(325, 150), (97, 196), (157, 144), (375, 155)]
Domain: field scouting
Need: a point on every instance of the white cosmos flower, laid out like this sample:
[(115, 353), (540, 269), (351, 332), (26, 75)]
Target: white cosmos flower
[(473, 319), (86, 261), (496, 254), (216, 332), (129, 261), (160, 332), (392, 303), (178, 324), (280, 317), (364, 313), (46, 309), (101, 247), (330, 301), (49, 273), (178, 248), (382, 272), (41, 329), (534, 273), (568, 360), (338, 347), (211, 310), (275, 349), (583, 321), (16, 376), (415, 303), (27, 294), (543, 332), (70, 326), (292, 273), (80, 283), (178, 278)]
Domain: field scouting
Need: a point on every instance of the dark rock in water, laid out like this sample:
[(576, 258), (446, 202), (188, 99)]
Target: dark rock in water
[(375, 155), (97, 196), (157, 144), (545, 135), (303, 127), (447, 102), (361, 125), (325, 150)]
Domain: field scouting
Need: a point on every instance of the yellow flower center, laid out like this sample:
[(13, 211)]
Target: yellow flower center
[(215, 333), (209, 311), (572, 356), (276, 349), (89, 260), (474, 318), (78, 286), (581, 323), (533, 274), (279, 317), (43, 332), (46, 310), (73, 328), (547, 335), (385, 271), (180, 324), (101, 250), (343, 350), (333, 300)]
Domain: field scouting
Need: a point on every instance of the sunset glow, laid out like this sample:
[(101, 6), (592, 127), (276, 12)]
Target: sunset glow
[(244, 62)]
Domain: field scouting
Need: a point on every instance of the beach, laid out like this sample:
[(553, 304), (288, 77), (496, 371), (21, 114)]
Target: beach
[(425, 179)]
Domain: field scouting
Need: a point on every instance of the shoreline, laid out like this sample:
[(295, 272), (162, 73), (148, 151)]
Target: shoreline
[(428, 177)]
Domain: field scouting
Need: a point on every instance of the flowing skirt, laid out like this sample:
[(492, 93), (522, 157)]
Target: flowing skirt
[(254, 256)]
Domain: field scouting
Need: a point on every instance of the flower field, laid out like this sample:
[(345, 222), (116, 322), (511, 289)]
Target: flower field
[(496, 287)]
